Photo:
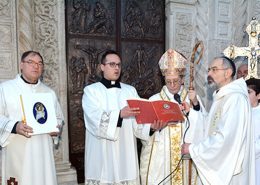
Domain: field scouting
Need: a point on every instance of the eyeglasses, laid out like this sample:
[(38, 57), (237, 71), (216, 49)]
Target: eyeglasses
[(113, 64), (33, 63), (215, 69), (173, 82)]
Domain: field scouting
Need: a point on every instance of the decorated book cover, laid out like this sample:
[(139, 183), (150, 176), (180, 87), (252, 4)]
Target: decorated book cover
[(39, 112), (150, 111)]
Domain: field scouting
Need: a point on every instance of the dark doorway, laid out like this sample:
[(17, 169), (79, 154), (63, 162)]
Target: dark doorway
[(134, 28)]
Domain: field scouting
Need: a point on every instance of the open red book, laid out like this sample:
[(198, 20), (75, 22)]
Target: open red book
[(165, 111)]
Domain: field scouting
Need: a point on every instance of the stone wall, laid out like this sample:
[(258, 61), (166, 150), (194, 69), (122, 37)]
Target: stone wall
[(8, 40), (217, 23)]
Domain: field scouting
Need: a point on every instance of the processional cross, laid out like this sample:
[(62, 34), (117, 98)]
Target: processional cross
[(252, 52)]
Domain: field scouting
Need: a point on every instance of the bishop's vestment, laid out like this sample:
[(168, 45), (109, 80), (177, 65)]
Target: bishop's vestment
[(161, 153)]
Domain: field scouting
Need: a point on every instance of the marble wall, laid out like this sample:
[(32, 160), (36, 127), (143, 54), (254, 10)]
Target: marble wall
[(8, 40), (217, 23)]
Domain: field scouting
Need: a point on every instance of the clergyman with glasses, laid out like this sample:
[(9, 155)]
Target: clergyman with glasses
[(111, 129), (161, 154), (27, 159), (225, 154)]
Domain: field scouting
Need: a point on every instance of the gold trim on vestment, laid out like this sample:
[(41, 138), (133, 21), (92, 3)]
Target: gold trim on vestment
[(216, 117), (175, 140), (148, 168), (175, 137)]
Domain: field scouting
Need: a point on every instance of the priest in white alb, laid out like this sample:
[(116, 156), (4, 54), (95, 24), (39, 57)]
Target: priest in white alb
[(225, 154), (111, 129), (26, 159)]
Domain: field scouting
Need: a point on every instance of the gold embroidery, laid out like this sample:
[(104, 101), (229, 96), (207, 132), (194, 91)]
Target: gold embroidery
[(175, 139), (213, 125), (216, 117), (175, 136)]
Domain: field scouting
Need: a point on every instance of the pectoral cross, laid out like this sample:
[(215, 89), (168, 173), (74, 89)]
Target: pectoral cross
[(12, 181), (252, 52)]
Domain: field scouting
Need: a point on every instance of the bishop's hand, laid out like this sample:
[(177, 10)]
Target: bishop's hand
[(185, 149), (193, 97), (158, 125)]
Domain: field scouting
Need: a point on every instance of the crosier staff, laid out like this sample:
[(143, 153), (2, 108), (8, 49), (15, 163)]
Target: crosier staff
[(196, 55)]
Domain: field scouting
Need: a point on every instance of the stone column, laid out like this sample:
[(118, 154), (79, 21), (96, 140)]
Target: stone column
[(8, 53)]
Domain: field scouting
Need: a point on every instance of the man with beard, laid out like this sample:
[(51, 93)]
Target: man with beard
[(111, 129), (225, 154)]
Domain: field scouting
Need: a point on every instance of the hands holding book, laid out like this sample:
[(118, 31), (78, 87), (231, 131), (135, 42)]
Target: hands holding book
[(23, 129), (128, 112), (57, 133), (158, 125), (158, 111)]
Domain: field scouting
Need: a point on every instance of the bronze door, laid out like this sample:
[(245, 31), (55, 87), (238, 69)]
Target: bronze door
[(134, 28)]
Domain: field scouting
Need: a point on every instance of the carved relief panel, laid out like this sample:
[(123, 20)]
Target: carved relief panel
[(133, 28), (8, 45)]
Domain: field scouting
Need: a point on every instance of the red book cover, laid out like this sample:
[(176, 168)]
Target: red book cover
[(165, 111)]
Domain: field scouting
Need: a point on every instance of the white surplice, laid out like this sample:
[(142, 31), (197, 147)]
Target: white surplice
[(110, 151), (28, 161), (226, 155), (161, 153), (256, 123)]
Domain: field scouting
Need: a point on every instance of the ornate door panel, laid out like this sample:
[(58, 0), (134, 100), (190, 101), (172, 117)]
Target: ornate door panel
[(135, 28)]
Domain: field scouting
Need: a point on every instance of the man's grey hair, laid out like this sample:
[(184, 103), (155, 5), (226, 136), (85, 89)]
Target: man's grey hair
[(228, 63), (240, 61)]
